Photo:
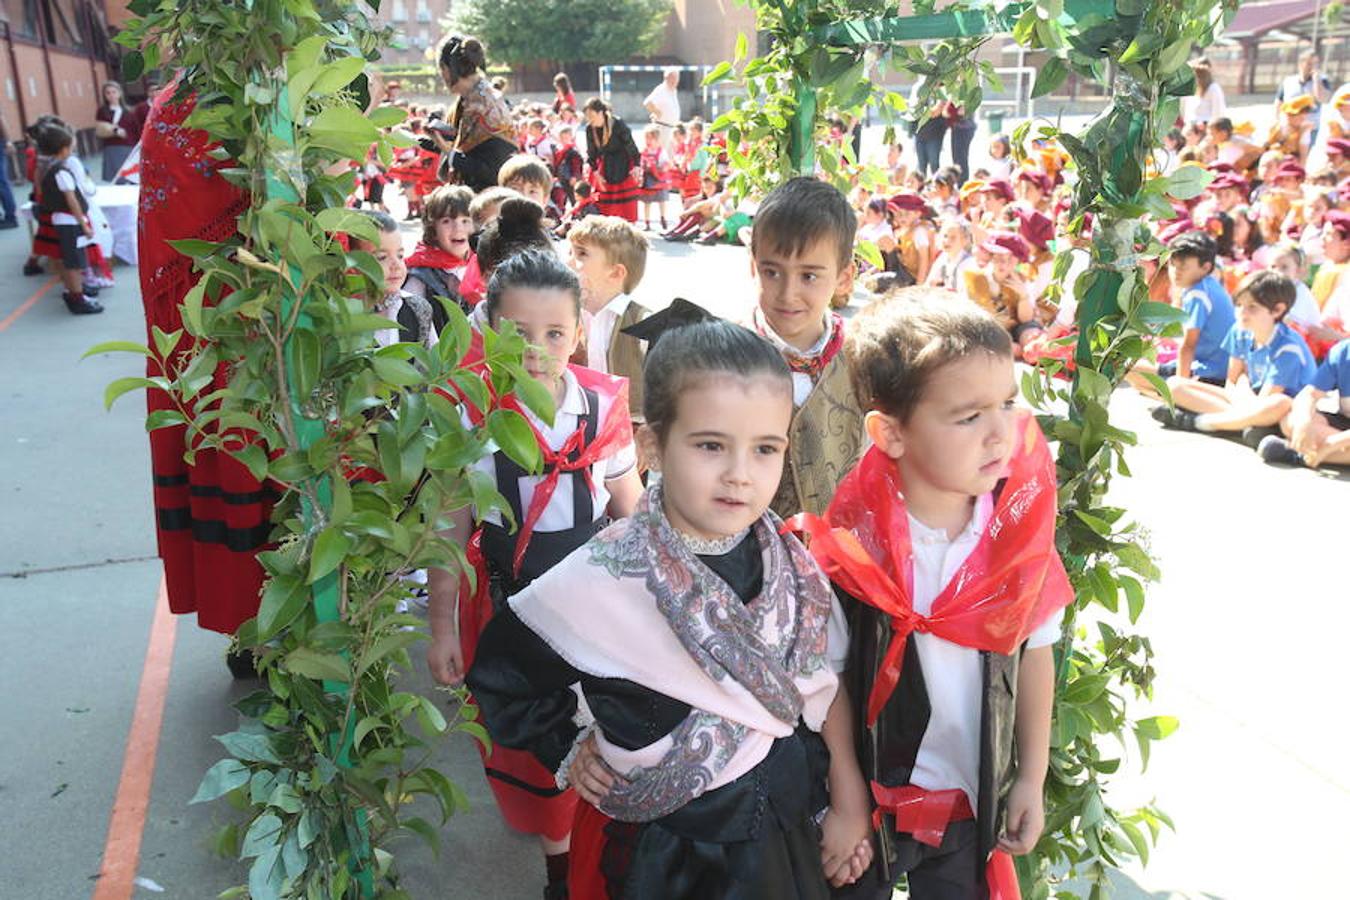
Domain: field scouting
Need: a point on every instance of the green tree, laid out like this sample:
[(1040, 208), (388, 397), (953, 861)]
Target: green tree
[(559, 31)]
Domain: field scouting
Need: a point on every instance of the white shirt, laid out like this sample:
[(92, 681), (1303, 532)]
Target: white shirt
[(1304, 311), (949, 753), (875, 232), (600, 331), (1338, 304), (801, 382), (667, 102), (557, 516), (1206, 107)]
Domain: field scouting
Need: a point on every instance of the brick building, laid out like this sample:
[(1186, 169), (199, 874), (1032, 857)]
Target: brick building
[(418, 22), (53, 60)]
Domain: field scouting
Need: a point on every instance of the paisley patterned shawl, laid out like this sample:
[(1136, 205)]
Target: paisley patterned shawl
[(636, 603)]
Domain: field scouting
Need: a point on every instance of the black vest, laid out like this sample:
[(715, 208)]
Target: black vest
[(546, 548), (52, 198), (439, 283)]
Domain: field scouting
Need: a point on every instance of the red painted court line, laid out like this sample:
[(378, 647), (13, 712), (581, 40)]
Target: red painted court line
[(27, 304), (122, 850)]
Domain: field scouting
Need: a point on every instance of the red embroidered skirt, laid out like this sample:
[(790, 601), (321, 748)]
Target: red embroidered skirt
[(618, 199)]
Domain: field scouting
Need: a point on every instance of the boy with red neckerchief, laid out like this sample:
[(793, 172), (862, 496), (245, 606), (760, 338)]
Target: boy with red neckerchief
[(945, 535)]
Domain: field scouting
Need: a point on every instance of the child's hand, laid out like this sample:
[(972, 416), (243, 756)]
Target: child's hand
[(1026, 817), (845, 844), (445, 659), (88, 227), (589, 775)]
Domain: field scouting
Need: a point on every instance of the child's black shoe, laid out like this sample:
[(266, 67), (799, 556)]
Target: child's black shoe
[(1276, 451), (1178, 419), (79, 305), (33, 267), (1254, 435)]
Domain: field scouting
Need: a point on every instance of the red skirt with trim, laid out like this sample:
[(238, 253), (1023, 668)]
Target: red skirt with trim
[(45, 241), (525, 791), (619, 199)]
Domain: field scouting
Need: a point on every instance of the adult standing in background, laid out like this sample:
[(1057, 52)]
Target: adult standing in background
[(1308, 80), (118, 127), (663, 105), (6, 190), (614, 157), (1207, 103), (484, 134), (562, 87)]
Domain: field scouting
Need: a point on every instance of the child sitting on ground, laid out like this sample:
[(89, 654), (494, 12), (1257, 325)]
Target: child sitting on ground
[(1268, 365), (609, 256), (943, 540), (441, 259), (950, 267), (1313, 438), (1209, 317)]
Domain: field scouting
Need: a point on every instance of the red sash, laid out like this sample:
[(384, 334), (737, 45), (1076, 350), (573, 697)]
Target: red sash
[(613, 433), (1011, 583)]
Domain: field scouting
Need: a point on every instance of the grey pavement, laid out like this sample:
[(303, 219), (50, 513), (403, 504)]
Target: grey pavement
[(1247, 625)]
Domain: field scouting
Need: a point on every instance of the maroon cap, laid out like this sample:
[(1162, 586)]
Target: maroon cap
[(907, 200), (1040, 179), (1291, 169), (1001, 186), (1007, 242), (1035, 227), (1218, 167), (1338, 147), (1340, 221), (1230, 180), (1176, 229)]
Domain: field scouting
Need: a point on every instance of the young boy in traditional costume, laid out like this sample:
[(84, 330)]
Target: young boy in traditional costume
[(589, 471), (802, 257), (697, 645), (609, 256), (943, 538)]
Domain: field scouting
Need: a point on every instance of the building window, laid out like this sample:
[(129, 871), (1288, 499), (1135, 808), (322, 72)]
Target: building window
[(400, 12), (423, 12)]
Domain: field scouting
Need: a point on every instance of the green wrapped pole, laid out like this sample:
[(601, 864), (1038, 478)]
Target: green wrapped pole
[(324, 591), (802, 150)]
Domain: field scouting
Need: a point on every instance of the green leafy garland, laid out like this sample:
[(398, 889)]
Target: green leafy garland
[(327, 758), (822, 59)]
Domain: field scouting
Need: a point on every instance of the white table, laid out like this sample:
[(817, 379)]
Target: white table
[(115, 229)]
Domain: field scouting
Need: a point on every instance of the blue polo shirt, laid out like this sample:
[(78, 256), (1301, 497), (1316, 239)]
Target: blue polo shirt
[(1209, 308), (1334, 374), (1284, 360)]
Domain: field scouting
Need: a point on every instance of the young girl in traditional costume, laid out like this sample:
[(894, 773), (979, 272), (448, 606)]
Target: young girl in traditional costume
[(441, 259), (590, 470), (700, 646)]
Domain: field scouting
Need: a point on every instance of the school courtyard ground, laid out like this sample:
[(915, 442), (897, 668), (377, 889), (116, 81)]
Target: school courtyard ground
[(1248, 624)]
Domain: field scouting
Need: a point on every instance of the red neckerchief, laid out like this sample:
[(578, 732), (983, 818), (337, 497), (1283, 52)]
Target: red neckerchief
[(611, 435), (814, 364), (429, 256), (471, 284), (1012, 581)]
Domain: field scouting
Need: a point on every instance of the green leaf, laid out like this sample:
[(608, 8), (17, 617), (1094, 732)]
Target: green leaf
[(1187, 182), (284, 598), (386, 646), (249, 747), (117, 347), (133, 65), (340, 220), (423, 829), (330, 547), (220, 779), (1157, 727), (721, 72), (396, 371), (266, 875), (387, 116), (742, 47), (430, 718), (122, 386), (164, 418), (515, 437), (1134, 596), (317, 665), (1050, 77), (192, 308), (254, 458), (337, 75), (535, 396), (343, 129), (1173, 57)]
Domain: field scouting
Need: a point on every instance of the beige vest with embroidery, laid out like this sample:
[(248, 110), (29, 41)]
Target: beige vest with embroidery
[(626, 355), (825, 442)]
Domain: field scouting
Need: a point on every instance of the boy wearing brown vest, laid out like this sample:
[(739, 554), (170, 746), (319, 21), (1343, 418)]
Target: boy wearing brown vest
[(802, 257), (609, 256)]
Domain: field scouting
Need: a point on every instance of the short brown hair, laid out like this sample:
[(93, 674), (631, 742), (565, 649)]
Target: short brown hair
[(801, 212), (525, 167), (1271, 290), (620, 241), (489, 199), (446, 200), (894, 345)]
